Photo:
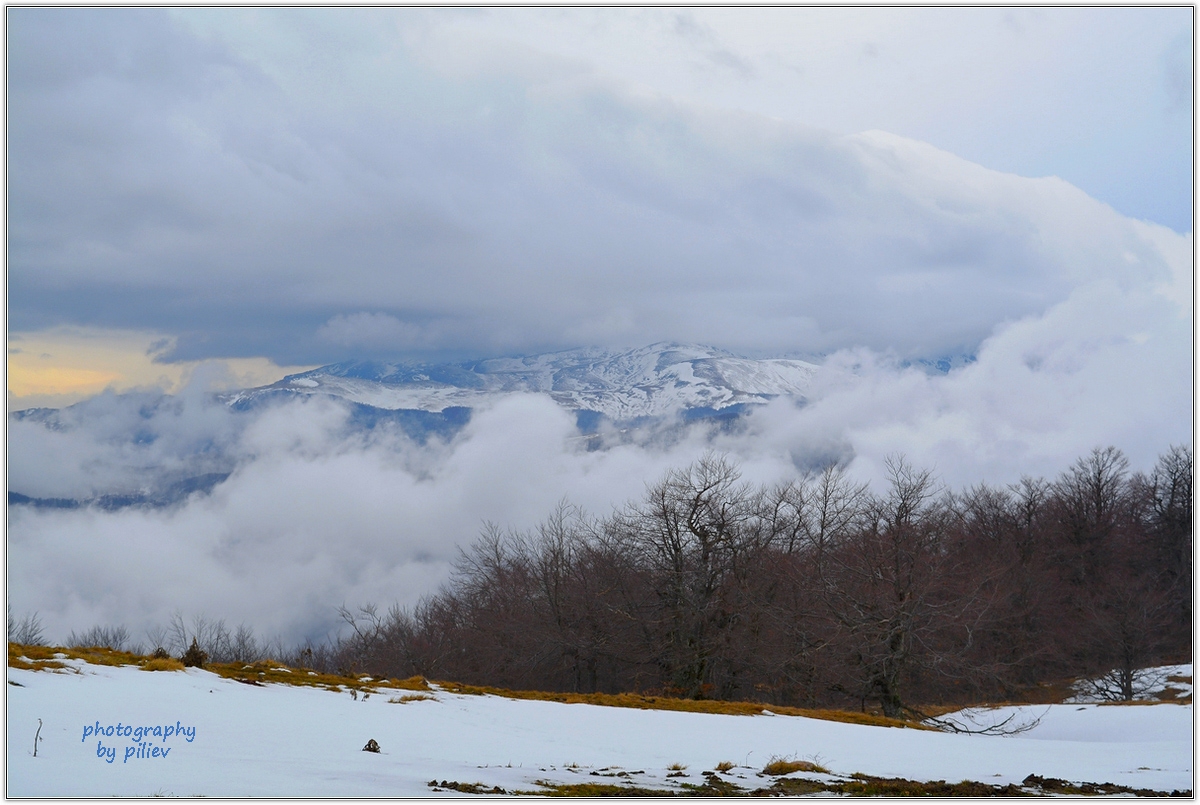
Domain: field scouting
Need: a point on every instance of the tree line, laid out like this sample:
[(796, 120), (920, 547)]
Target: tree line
[(817, 592), (813, 592)]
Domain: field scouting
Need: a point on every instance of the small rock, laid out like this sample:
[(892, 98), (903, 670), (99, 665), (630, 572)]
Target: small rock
[(371, 746)]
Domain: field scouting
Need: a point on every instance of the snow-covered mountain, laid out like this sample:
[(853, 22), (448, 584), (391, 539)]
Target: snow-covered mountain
[(645, 391), (657, 380)]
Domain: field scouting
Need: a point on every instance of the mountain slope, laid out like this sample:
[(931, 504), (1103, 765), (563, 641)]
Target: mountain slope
[(651, 386), (650, 381)]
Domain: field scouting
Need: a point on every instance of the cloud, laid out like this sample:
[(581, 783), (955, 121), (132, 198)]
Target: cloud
[(1108, 365), (314, 514), (372, 331), (1071, 92), (182, 175), (1178, 74), (122, 443)]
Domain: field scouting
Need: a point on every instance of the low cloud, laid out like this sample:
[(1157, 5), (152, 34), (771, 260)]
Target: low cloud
[(315, 514)]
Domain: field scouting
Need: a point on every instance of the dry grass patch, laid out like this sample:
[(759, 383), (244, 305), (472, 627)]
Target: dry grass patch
[(858, 785), (26, 664), (162, 664), (862, 785), (1170, 693), (724, 766), (551, 789), (465, 788), (639, 702), (270, 671), (38, 658), (50, 658), (780, 766), (412, 683), (939, 710)]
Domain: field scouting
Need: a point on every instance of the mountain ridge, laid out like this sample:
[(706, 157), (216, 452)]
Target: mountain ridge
[(655, 380)]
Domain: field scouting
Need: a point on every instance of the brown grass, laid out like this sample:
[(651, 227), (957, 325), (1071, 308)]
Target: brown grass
[(550, 789), (269, 671), (858, 785), (465, 788), (34, 665), (639, 702), (780, 766), (39, 658)]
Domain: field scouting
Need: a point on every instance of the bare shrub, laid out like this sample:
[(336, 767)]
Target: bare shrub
[(194, 657), (27, 630), (113, 637)]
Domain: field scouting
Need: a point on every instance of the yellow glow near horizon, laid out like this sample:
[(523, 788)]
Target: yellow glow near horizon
[(64, 365)]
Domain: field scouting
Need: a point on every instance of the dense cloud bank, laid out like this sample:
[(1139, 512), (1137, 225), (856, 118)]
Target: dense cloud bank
[(421, 194), (314, 514)]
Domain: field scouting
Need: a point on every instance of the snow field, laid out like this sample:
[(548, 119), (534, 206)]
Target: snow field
[(280, 740)]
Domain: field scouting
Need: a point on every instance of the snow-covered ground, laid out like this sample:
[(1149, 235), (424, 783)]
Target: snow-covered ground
[(282, 740)]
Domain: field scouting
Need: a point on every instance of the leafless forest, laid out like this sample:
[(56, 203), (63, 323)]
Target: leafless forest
[(810, 593), (817, 592)]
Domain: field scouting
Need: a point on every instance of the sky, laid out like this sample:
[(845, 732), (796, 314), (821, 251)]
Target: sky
[(307, 185), (210, 198)]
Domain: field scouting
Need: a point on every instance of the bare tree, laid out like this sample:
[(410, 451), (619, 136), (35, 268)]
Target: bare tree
[(1091, 499), (881, 583), (1169, 489), (691, 530), (212, 637), (243, 647), (1124, 623), (26, 630)]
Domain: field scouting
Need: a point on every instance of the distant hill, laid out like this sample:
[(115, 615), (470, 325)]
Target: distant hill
[(663, 386), (657, 380)]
